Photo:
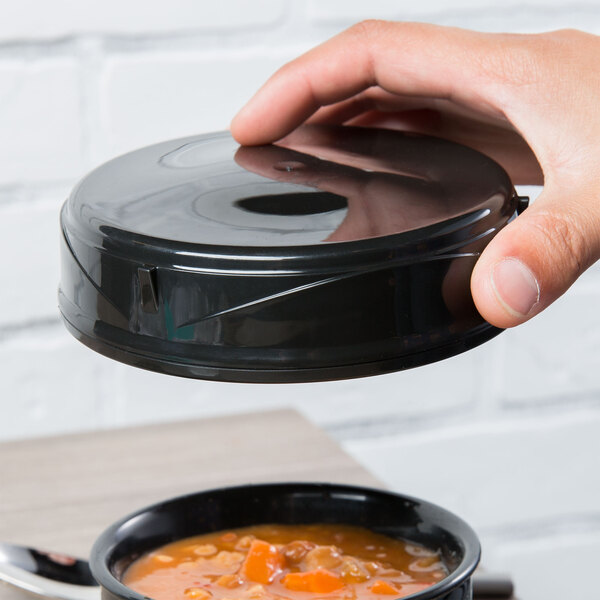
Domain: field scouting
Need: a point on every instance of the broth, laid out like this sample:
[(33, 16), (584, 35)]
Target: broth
[(286, 562)]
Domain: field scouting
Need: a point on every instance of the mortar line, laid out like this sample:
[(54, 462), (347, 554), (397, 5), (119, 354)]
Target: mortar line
[(239, 38), (539, 529), (13, 330), (447, 426)]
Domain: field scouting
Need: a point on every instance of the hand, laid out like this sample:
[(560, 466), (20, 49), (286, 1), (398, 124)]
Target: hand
[(530, 101)]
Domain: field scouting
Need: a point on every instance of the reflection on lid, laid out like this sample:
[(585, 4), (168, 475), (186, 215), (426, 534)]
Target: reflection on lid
[(321, 184)]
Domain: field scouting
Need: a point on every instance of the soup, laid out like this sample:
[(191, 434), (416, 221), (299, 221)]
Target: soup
[(286, 562)]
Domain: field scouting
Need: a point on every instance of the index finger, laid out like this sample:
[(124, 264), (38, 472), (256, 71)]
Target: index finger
[(402, 58)]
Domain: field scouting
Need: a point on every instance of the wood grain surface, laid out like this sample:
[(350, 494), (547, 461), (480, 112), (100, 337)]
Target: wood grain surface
[(59, 493)]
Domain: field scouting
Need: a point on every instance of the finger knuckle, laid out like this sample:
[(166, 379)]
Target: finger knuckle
[(564, 238), (368, 29), (566, 34), (368, 35), (515, 61)]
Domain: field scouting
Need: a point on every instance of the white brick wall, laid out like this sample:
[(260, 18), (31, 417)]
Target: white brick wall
[(33, 20), (40, 119), (507, 435), (51, 385), (148, 98), (487, 15), (514, 470), (558, 564), (29, 243)]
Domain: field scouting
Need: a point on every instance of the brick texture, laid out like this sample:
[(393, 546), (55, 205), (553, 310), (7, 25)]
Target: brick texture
[(60, 18), (151, 98), (52, 384), (564, 563), (494, 472), (41, 134), (511, 15), (29, 234), (538, 373)]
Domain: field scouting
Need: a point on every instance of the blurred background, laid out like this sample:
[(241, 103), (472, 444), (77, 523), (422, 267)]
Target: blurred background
[(516, 422)]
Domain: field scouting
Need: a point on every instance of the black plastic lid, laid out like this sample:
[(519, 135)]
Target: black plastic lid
[(340, 252)]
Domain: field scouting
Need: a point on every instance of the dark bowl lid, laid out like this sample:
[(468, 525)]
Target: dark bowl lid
[(338, 252)]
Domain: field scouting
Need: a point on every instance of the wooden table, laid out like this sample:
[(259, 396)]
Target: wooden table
[(59, 493)]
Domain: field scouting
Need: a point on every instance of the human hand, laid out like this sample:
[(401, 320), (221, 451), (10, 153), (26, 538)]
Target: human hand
[(500, 93)]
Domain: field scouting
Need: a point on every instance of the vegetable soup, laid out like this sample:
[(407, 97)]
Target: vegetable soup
[(286, 562)]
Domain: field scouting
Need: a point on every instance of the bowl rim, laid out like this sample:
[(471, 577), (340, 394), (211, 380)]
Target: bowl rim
[(105, 544)]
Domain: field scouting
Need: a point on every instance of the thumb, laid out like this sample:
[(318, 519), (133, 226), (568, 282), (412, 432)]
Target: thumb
[(537, 257)]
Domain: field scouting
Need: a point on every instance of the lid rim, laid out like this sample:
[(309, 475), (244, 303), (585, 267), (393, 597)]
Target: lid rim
[(419, 245), (351, 370)]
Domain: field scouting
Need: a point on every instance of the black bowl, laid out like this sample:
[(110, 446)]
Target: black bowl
[(391, 514)]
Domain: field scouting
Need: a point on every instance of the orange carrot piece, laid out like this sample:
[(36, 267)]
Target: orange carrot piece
[(297, 582), (324, 581), (320, 581), (383, 587), (263, 562)]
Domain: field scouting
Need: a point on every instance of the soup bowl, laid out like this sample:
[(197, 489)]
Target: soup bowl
[(391, 514)]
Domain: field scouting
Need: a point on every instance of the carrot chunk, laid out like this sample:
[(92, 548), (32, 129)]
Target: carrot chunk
[(262, 563), (383, 587), (298, 582), (320, 581)]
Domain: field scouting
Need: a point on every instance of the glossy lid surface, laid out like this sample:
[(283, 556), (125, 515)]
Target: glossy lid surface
[(324, 185)]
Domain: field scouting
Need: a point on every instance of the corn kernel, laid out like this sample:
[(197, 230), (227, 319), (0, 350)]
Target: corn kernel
[(230, 580), (205, 550), (163, 558), (197, 593), (244, 542)]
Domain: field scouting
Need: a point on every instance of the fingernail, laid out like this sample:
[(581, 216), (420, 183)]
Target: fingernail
[(515, 287)]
